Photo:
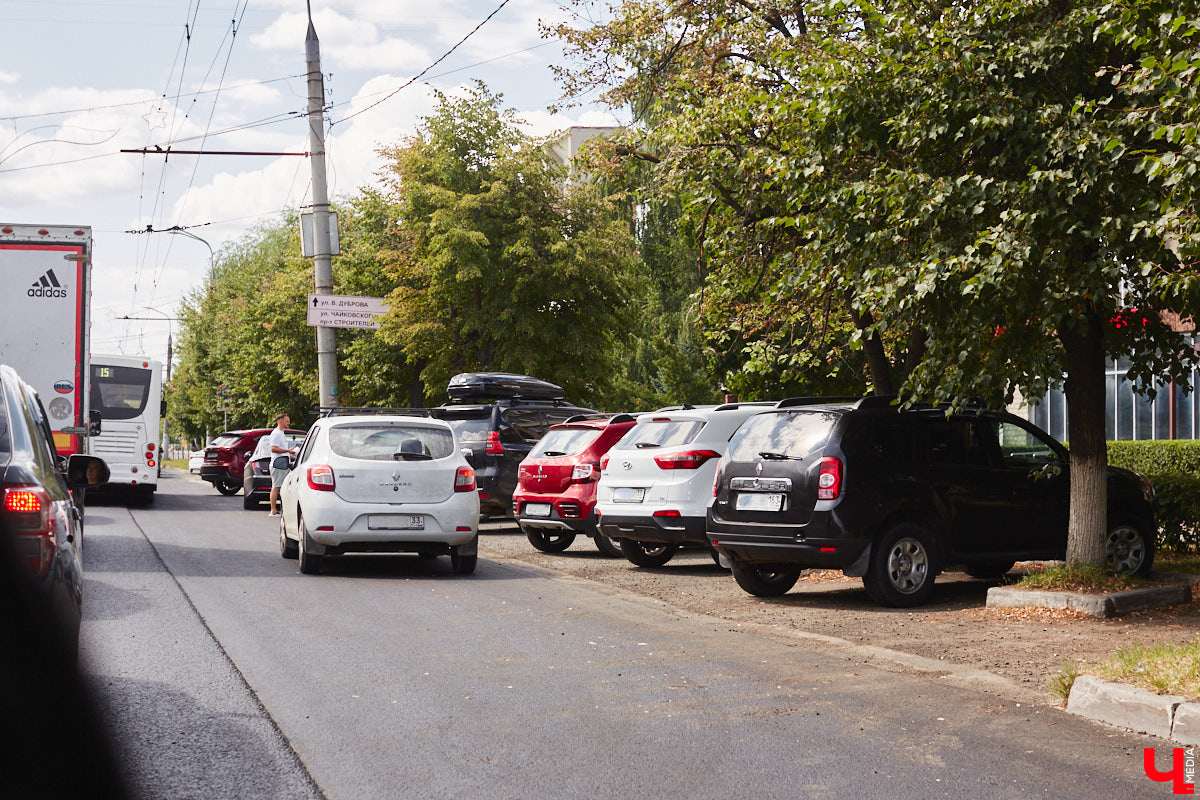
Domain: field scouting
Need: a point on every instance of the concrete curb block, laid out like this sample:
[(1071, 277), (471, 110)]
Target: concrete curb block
[(1113, 604), (1163, 715)]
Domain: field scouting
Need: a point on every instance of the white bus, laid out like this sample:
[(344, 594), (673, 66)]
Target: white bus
[(127, 391)]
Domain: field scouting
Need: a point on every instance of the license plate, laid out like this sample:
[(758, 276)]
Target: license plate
[(395, 522), (757, 501), (626, 494), (537, 509)]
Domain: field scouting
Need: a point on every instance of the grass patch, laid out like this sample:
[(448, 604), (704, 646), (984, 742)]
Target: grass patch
[(178, 463), (1166, 669), (1061, 683), (1089, 580), (1186, 563)]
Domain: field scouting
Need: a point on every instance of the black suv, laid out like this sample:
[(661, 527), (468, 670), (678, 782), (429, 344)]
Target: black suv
[(895, 496), (498, 417)]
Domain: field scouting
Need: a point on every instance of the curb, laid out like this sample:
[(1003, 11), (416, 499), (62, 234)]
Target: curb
[(1112, 604), (1163, 715)]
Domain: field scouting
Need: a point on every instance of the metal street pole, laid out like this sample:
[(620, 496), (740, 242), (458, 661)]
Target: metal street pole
[(211, 256), (322, 259)]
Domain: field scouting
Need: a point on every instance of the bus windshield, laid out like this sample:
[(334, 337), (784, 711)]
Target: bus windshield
[(119, 392)]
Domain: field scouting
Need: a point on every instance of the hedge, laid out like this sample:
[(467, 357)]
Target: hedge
[(1174, 469)]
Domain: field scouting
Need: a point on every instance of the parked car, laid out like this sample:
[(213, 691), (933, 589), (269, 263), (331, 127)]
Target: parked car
[(225, 457), (499, 417), (195, 461), (256, 475), (895, 497), (656, 482), (42, 515), (378, 484), (555, 497)]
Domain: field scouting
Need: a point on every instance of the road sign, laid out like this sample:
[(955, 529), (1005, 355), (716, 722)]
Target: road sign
[(344, 311)]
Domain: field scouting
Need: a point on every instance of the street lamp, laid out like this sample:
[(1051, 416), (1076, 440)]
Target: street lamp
[(211, 256)]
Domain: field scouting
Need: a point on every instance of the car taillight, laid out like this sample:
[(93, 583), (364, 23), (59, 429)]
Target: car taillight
[(464, 480), (717, 476), (829, 479), (604, 463), (691, 459), (150, 454), (493, 444), (30, 518), (585, 473), (320, 477), (666, 512)]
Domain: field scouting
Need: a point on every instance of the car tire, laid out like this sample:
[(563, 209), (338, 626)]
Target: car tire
[(250, 502), (463, 565), (648, 554), (902, 568), (287, 547), (607, 546), (228, 489), (1129, 546), (989, 570), (310, 563), (766, 581), (549, 542)]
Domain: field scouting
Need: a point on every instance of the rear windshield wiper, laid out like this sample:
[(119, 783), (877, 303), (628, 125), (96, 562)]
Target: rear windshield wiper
[(769, 456), (411, 457), (641, 445), (554, 453)]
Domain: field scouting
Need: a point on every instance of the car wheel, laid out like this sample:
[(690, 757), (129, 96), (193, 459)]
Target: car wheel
[(607, 546), (902, 570), (250, 502), (228, 489), (989, 570), (1129, 547), (287, 547), (765, 581), (549, 542), (310, 563), (648, 554), (463, 565)]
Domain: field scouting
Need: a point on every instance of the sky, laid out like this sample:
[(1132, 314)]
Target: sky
[(80, 80)]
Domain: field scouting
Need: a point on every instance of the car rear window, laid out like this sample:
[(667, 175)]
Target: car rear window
[(225, 440), (791, 434), (565, 442), (390, 442), (471, 430), (660, 432)]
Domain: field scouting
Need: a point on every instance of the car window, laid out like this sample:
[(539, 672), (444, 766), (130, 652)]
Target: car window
[(469, 428), (565, 442), (306, 450), (394, 441), (660, 432), (525, 425), (225, 440), (954, 441), (43, 436), (792, 434), (1021, 447), (5, 439), (120, 392)]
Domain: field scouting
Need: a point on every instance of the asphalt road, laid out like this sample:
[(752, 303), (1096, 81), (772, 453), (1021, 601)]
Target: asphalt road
[(224, 672)]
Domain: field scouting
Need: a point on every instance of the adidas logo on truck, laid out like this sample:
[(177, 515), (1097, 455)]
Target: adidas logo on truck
[(47, 286)]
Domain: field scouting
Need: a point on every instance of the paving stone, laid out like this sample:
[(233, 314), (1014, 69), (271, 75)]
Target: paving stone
[(1187, 724)]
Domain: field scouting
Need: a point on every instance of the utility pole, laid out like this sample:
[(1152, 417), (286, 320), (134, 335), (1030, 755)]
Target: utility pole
[(322, 259)]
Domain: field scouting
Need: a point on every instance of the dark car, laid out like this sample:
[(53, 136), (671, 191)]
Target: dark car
[(256, 475), (895, 497), (42, 516), (225, 457), (555, 498), (498, 417)]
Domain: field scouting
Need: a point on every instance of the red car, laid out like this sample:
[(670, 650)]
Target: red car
[(556, 483), (225, 457)]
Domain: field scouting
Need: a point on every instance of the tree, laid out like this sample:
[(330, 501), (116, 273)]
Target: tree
[(972, 181), (513, 266)]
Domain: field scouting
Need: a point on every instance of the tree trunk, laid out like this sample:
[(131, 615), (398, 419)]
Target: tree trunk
[(1083, 345), (878, 365)]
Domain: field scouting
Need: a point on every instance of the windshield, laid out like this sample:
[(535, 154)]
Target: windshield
[(471, 430), (225, 440), (120, 392), (782, 435), (565, 442), (398, 441), (660, 432)]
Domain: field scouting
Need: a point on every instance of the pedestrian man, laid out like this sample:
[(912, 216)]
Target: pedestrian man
[(279, 458)]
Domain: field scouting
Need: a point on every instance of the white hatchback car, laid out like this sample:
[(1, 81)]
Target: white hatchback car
[(379, 484), (656, 482)]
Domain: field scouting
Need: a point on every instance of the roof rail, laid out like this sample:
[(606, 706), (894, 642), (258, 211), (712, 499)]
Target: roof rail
[(740, 403), (623, 417), (583, 417), (791, 402), (339, 411)]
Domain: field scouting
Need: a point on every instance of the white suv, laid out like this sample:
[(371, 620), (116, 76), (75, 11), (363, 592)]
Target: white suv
[(656, 482)]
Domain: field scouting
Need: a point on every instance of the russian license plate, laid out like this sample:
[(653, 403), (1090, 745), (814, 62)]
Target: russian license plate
[(395, 522), (627, 494), (537, 509), (758, 501)]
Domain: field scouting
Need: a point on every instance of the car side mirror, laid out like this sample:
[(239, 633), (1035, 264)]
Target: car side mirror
[(85, 470), (94, 422)]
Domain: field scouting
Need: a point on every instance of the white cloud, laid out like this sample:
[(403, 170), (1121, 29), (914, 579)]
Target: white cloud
[(346, 43), (9, 77)]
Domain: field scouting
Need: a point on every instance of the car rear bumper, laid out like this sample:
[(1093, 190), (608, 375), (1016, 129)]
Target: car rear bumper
[(214, 473), (585, 526), (821, 544), (360, 526), (667, 530)]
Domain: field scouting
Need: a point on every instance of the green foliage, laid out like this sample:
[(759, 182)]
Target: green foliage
[(1174, 469), (1061, 683)]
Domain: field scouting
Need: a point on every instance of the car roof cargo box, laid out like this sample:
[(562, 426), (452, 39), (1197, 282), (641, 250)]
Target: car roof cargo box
[(501, 385)]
